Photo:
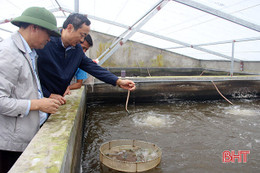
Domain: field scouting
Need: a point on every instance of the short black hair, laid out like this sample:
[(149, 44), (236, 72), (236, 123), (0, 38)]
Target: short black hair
[(77, 20), (23, 25), (89, 40)]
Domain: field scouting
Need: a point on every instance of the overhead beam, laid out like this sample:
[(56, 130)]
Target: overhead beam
[(132, 30), (129, 29), (51, 10), (163, 37), (6, 20), (60, 7), (220, 14), (217, 43), (187, 45), (2, 29)]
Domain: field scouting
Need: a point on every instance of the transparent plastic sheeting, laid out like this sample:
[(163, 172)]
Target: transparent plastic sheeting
[(175, 21)]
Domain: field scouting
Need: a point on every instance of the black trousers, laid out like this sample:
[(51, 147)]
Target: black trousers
[(7, 159)]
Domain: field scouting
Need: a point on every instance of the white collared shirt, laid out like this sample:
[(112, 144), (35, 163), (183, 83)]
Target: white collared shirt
[(33, 54)]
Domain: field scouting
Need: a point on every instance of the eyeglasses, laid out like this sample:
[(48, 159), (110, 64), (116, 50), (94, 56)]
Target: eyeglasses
[(82, 35)]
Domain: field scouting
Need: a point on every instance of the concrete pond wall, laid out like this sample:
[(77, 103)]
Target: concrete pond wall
[(169, 88), (57, 145)]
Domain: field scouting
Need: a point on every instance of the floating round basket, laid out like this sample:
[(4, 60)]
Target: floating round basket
[(130, 155)]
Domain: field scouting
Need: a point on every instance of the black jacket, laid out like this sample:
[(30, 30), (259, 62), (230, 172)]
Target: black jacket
[(57, 66)]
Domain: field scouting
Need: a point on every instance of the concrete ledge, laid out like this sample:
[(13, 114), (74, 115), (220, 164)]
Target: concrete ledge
[(170, 88), (56, 147), (171, 71)]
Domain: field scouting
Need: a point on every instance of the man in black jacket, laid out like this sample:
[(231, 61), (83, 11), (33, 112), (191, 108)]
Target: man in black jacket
[(61, 57)]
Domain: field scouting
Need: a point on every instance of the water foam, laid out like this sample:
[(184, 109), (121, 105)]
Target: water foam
[(153, 120), (237, 110)]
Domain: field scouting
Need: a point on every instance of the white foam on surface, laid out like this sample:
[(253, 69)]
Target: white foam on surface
[(153, 120), (237, 110)]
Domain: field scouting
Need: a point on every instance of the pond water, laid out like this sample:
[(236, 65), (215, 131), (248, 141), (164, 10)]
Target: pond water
[(192, 135)]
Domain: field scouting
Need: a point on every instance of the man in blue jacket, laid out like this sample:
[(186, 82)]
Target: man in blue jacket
[(61, 57)]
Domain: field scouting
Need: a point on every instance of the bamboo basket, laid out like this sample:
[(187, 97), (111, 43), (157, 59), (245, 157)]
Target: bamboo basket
[(119, 155)]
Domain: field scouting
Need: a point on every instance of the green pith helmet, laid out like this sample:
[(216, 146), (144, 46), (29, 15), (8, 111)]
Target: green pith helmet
[(38, 16)]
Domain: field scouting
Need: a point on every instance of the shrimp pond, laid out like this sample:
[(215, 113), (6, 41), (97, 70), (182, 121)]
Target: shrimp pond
[(191, 134)]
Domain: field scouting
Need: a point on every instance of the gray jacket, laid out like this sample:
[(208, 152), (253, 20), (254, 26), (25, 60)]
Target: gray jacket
[(17, 86)]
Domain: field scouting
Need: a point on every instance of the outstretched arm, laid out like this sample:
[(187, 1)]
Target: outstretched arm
[(73, 87)]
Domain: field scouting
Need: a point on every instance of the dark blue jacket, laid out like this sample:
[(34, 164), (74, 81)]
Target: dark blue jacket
[(56, 67)]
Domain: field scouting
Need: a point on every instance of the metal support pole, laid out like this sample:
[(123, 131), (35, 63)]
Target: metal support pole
[(141, 22), (232, 60), (76, 6)]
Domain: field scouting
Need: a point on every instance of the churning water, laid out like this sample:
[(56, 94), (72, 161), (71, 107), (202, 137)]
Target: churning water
[(192, 135)]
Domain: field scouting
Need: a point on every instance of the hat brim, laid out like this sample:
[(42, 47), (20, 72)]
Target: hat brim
[(52, 29)]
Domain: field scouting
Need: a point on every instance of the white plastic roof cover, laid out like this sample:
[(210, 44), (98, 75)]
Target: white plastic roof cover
[(174, 21)]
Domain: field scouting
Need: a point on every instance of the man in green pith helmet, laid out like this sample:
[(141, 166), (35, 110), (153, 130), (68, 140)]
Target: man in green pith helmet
[(23, 109)]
